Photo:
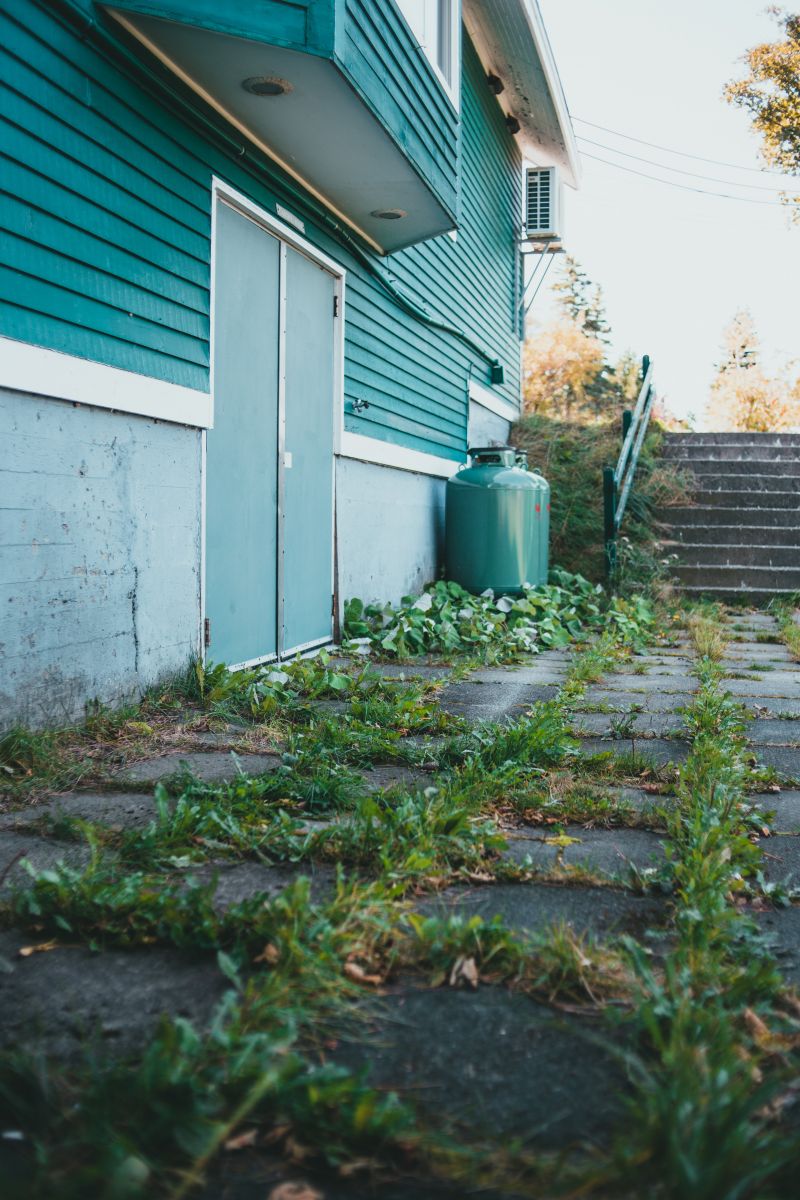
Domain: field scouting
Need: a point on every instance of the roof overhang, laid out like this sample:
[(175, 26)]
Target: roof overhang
[(512, 43)]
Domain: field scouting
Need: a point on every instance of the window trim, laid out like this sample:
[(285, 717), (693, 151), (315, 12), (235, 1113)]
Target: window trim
[(451, 89)]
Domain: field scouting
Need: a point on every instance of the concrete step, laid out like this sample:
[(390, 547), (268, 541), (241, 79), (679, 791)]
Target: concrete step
[(752, 498), (701, 554), (688, 453), (710, 515), (755, 597), (744, 483), (732, 439), (759, 467), (729, 535), (737, 578)]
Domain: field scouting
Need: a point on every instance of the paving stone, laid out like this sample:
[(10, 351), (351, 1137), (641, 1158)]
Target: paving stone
[(768, 684), (658, 751), (622, 701), (534, 907), (607, 850), (783, 925), (41, 853), (602, 724), (773, 732), (390, 775), (478, 701), (786, 809), (493, 1061), (782, 859), (242, 881), (538, 673), (649, 683), (785, 760), (657, 665), (776, 706), (61, 998), (758, 652), (128, 810), (210, 767)]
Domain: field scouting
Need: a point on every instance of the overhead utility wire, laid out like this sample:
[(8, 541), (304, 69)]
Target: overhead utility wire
[(686, 187), (759, 187), (715, 162)]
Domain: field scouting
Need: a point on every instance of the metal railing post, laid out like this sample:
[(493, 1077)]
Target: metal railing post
[(610, 518)]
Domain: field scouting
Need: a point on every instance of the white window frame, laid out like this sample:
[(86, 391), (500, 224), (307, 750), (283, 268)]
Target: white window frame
[(451, 87)]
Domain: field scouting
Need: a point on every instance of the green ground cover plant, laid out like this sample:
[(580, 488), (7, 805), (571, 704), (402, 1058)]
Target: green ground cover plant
[(571, 455)]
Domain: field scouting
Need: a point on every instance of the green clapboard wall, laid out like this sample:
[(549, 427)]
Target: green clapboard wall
[(105, 196)]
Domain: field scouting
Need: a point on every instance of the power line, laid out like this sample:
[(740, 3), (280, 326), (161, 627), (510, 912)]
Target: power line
[(759, 187), (683, 153), (685, 187)]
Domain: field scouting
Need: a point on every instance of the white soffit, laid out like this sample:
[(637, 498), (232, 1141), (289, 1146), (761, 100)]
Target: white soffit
[(512, 43)]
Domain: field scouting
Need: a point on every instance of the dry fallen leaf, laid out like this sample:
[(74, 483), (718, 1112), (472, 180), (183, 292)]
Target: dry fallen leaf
[(357, 973), (41, 948), (464, 971), (295, 1191), (270, 954), (241, 1141)]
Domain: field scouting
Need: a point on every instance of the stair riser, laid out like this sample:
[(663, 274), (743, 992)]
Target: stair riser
[(732, 439), (689, 455), (743, 556), (754, 498), (736, 577), (759, 468), (719, 482), (732, 535), (709, 516), (757, 597)]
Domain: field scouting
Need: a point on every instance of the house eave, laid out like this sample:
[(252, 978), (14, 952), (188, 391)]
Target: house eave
[(512, 43)]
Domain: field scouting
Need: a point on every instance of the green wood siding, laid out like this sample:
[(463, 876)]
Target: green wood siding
[(378, 53), (105, 196)]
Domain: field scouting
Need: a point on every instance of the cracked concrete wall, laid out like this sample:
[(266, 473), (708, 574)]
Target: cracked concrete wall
[(100, 518), (390, 530)]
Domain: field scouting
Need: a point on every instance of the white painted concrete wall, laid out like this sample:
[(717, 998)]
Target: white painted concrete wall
[(390, 530), (99, 555)]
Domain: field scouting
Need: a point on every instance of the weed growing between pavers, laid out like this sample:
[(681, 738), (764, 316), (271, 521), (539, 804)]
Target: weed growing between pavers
[(708, 1086), (288, 955)]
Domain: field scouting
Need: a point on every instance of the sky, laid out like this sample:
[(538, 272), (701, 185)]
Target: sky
[(674, 265)]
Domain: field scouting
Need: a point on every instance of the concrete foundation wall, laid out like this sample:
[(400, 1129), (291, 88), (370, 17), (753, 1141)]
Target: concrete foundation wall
[(100, 518), (390, 530)]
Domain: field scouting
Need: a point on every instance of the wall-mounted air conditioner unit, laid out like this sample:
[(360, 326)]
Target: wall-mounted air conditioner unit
[(544, 204)]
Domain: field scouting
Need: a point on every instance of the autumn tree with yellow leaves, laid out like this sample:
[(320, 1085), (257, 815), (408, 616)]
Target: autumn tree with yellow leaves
[(743, 396), (770, 93)]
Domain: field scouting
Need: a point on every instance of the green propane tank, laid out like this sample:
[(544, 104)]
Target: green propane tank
[(544, 540), (495, 513)]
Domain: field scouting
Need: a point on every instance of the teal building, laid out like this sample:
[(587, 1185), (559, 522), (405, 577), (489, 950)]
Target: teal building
[(260, 286)]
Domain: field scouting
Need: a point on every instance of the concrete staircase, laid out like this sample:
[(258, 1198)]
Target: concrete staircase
[(740, 539)]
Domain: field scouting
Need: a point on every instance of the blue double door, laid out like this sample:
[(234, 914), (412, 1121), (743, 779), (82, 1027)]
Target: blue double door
[(269, 455)]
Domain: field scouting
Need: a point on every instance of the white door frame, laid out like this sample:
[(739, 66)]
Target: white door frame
[(222, 192)]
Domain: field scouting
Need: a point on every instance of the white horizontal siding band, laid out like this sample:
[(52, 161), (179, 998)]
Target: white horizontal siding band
[(386, 454), (28, 368), (496, 404)]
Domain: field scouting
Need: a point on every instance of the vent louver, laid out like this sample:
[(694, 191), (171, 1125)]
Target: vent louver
[(542, 203)]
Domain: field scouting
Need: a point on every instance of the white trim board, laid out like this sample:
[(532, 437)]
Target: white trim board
[(28, 368), (496, 404), (386, 454)]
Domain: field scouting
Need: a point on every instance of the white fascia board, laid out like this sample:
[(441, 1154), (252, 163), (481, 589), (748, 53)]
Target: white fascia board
[(386, 454), (489, 399), (519, 38), (541, 41), (28, 368)]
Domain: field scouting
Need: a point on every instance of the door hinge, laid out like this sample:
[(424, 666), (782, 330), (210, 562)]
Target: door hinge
[(207, 631), (335, 306)]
